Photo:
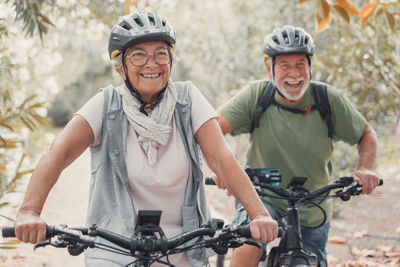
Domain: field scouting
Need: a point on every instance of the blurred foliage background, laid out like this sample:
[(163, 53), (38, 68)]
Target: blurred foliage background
[(54, 58)]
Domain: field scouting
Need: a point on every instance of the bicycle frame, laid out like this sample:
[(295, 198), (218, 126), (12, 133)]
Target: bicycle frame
[(291, 241)]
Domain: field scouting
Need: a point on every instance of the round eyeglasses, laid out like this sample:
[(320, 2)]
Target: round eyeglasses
[(140, 57)]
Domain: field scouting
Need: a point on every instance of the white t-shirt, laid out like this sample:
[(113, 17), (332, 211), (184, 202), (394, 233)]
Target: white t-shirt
[(162, 185)]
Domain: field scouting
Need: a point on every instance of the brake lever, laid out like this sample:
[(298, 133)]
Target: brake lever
[(42, 244), (350, 186), (236, 243), (352, 189), (57, 244), (241, 241), (219, 249)]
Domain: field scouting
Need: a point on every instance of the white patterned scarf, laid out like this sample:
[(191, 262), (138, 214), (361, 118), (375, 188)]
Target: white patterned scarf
[(153, 130)]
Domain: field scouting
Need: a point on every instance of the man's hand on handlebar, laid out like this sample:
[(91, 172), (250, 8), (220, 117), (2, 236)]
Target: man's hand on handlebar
[(29, 227), (367, 178), (263, 228)]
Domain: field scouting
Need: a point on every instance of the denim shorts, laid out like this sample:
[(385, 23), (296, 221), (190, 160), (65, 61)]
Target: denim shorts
[(314, 240)]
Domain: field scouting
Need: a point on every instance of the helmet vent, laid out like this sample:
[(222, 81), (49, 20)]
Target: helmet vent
[(306, 40), (138, 22), (163, 23), (285, 37), (152, 21), (296, 36), (275, 39), (125, 26)]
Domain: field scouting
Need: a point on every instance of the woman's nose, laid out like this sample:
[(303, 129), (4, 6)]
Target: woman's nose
[(151, 61)]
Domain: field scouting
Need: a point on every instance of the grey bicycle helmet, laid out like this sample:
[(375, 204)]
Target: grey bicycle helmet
[(288, 40), (137, 28)]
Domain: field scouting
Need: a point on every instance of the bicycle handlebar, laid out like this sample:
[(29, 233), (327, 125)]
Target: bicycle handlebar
[(141, 244), (344, 182)]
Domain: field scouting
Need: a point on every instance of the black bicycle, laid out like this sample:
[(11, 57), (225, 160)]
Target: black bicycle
[(149, 243), (290, 251)]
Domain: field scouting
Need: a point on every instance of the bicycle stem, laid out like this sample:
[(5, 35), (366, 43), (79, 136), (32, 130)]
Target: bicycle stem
[(293, 230)]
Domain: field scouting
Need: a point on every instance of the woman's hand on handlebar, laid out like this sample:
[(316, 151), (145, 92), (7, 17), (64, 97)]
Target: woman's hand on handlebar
[(367, 178), (29, 227), (263, 228)]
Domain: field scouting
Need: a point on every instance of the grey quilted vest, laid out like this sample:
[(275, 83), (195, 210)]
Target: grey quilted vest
[(110, 202)]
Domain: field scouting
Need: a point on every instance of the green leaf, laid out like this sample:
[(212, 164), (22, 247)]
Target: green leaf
[(46, 19), (30, 14)]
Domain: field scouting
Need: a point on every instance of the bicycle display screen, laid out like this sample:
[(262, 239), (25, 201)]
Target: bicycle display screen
[(148, 217), (270, 176)]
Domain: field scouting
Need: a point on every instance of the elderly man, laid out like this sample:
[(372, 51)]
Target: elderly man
[(293, 122)]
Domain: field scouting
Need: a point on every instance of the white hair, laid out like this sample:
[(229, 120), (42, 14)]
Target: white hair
[(117, 62)]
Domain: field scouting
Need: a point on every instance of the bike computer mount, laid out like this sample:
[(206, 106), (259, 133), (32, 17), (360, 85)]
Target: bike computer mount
[(297, 181), (148, 223)]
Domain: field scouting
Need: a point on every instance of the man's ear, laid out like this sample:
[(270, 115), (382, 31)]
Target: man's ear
[(269, 70), (121, 72)]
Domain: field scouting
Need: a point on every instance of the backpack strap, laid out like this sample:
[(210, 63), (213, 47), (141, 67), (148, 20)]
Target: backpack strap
[(321, 98), (266, 98), (324, 108)]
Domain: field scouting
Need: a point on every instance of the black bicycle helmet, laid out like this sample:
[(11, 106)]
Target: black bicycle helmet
[(288, 40), (137, 28)]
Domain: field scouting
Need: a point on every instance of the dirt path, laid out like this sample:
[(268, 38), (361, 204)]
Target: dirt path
[(366, 227), (357, 221), (66, 204)]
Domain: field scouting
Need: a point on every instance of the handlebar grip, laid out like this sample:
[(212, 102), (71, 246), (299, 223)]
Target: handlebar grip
[(244, 231), (209, 181), (379, 183), (10, 231)]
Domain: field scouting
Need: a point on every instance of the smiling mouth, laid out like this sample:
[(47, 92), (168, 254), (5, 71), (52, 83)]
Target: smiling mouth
[(150, 76), (293, 84)]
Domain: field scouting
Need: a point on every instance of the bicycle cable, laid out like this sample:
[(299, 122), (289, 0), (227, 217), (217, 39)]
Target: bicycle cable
[(112, 249), (261, 192), (323, 212)]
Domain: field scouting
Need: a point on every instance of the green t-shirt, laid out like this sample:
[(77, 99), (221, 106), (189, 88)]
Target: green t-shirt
[(297, 144)]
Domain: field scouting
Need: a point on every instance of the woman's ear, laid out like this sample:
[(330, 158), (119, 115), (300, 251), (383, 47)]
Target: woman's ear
[(121, 72)]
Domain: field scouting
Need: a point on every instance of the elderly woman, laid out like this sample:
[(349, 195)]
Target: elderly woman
[(144, 137)]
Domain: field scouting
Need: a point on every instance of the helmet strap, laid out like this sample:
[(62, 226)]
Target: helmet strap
[(273, 78), (127, 81), (309, 64)]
